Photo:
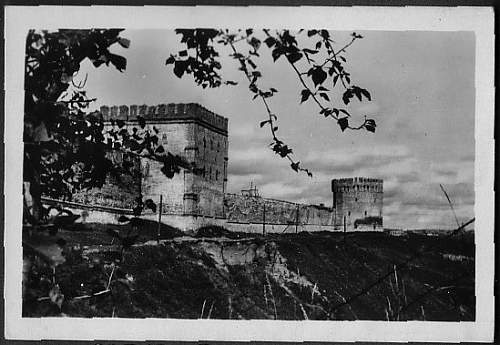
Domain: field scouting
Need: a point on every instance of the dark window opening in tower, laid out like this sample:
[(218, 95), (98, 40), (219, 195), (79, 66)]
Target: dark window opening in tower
[(365, 213), (210, 176), (211, 144), (204, 143), (216, 175), (349, 213), (356, 199)]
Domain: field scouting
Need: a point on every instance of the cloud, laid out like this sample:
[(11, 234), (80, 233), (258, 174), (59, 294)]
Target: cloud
[(423, 99)]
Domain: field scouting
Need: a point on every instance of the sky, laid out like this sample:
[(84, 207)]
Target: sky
[(423, 100)]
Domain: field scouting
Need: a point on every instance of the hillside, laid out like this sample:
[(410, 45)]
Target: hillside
[(220, 275)]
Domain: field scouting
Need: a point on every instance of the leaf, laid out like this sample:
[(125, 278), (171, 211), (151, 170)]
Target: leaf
[(230, 82), (137, 211), (335, 79), (309, 51), (322, 88), (276, 53), (294, 57), (270, 41), (366, 94), (325, 96), (273, 90), (318, 45), (124, 42), (179, 68), (346, 97), (141, 121), (252, 64), (343, 123), (118, 61), (249, 31), (345, 112), (305, 95), (40, 133), (262, 124), (295, 166), (326, 112), (311, 32), (56, 296), (357, 92), (160, 149), (318, 76), (149, 203), (183, 53), (170, 60), (370, 125)]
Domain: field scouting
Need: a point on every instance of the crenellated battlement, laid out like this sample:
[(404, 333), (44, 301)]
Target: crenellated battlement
[(358, 184), (165, 112)]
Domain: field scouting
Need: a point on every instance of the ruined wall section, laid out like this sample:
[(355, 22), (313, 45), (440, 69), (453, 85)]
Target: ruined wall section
[(249, 209), (358, 201), (117, 191)]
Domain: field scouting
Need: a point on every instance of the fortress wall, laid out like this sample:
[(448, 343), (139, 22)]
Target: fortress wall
[(198, 135), (155, 183), (118, 192), (247, 209), (209, 153)]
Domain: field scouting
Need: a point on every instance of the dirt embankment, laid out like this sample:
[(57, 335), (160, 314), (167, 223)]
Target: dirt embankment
[(368, 276)]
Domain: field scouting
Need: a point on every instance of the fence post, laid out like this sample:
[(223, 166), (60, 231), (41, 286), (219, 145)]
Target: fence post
[(264, 219), (344, 229), (159, 219), (297, 220)]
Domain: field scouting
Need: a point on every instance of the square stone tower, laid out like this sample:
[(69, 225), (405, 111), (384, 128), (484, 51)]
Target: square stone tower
[(358, 203), (198, 135)]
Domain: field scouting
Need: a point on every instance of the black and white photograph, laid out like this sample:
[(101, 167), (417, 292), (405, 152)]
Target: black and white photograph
[(264, 174)]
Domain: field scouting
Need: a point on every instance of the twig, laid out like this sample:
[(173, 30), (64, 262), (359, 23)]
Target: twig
[(303, 311), (210, 311), (450, 203), (110, 276), (313, 291), (92, 295), (203, 309), (230, 307), (272, 296)]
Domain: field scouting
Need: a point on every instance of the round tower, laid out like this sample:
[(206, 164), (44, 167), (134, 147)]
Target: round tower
[(357, 203)]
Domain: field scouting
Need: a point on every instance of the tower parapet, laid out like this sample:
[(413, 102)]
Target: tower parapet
[(170, 112)]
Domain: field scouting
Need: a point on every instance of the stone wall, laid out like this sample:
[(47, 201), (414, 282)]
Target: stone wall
[(165, 112), (119, 192), (190, 131), (359, 201), (249, 209)]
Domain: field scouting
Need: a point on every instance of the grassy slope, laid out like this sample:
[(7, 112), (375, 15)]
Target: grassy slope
[(262, 277)]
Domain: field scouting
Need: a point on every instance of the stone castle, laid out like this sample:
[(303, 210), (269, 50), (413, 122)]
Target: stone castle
[(194, 199)]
